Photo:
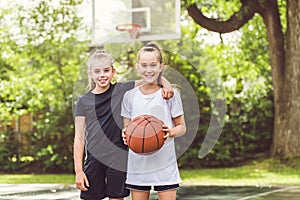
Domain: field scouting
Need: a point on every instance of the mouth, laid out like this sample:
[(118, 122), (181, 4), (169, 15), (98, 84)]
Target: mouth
[(149, 76), (101, 81)]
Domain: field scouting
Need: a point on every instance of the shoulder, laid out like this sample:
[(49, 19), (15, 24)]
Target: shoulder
[(85, 97), (176, 95), (132, 91), (81, 103), (176, 91), (176, 100), (125, 86)]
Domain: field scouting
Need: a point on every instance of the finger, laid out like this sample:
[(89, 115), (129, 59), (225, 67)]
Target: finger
[(170, 94), (87, 182), (164, 94), (125, 141), (166, 135), (81, 186), (124, 132), (165, 128)]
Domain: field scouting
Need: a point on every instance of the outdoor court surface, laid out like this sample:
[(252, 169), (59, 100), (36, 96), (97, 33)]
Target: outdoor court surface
[(61, 192)]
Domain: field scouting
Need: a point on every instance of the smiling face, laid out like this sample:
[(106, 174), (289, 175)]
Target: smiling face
[(101, 72), (149, 66)]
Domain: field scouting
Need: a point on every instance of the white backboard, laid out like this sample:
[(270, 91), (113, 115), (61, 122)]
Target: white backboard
[(159, 20)]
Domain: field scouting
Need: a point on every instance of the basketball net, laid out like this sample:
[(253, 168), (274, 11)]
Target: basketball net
[(132, 29)]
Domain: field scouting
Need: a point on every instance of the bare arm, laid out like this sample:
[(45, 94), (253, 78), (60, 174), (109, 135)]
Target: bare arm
[(178, 130), (125, 123), (167, 90), (78, 153)]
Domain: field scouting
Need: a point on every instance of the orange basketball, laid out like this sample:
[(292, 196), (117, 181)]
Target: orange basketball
[(144, 134)]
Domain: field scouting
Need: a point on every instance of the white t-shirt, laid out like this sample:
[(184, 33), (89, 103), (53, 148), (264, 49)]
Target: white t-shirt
[(160, 167)]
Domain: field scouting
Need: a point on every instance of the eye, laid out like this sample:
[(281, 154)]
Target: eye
[(153, 64), (96, 71)]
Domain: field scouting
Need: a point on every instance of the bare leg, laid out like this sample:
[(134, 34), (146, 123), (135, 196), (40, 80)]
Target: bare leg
[(116, 198), (167, 195), (139, 195)]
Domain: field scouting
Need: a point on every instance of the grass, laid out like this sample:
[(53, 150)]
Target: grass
[(268, 172), (37, 178)]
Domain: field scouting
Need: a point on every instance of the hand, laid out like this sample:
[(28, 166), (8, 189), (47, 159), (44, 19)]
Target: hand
[(167, 92), (124, 136), (81, 181), (167, 131)]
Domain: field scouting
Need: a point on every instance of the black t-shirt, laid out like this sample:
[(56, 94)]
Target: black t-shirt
[(104, 122)]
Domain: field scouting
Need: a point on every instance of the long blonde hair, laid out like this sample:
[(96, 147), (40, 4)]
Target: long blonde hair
[(98, 56)]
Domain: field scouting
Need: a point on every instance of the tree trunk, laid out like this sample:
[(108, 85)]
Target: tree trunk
[(284, 59), (286, 140)]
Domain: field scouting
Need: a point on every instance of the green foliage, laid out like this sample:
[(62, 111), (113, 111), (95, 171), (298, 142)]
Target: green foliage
[(214, 8), (41, 46), (41, 56), (8, 151), (243, 63)]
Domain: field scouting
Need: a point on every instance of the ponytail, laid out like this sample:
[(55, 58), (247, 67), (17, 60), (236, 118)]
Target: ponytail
[(100, 56)]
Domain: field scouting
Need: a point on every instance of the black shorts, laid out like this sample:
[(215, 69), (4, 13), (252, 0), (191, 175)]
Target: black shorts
[(104, 181), (158, 188)]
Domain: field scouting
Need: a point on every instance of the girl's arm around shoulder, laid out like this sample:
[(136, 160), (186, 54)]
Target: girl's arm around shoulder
[(167, 88)]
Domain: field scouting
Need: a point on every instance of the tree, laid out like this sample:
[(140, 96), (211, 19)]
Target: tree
[(284, 48), (42, 54)]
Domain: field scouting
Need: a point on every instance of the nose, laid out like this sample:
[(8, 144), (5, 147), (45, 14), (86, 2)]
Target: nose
[(101, 73), (148, 69)]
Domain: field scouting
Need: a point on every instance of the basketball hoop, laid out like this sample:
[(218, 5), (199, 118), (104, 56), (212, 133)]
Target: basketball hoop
[(132, 29)]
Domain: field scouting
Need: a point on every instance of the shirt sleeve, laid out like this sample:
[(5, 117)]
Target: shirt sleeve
[(125, 86), (175, 105), (79, 108)]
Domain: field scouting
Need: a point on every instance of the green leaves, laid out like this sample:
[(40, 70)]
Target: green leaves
[(41, 56)]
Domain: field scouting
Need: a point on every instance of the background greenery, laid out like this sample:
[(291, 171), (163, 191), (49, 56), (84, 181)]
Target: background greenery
[(265, 172), (42, 55)]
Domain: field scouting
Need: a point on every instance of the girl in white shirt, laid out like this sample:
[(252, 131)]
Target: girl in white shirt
[(158, 169)]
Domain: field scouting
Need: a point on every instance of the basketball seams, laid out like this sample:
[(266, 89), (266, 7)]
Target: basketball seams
[(156, 135), (144, 134), (146, 117), (132, 131)]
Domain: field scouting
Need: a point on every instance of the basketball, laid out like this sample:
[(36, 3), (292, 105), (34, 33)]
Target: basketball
[(144, 134)]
